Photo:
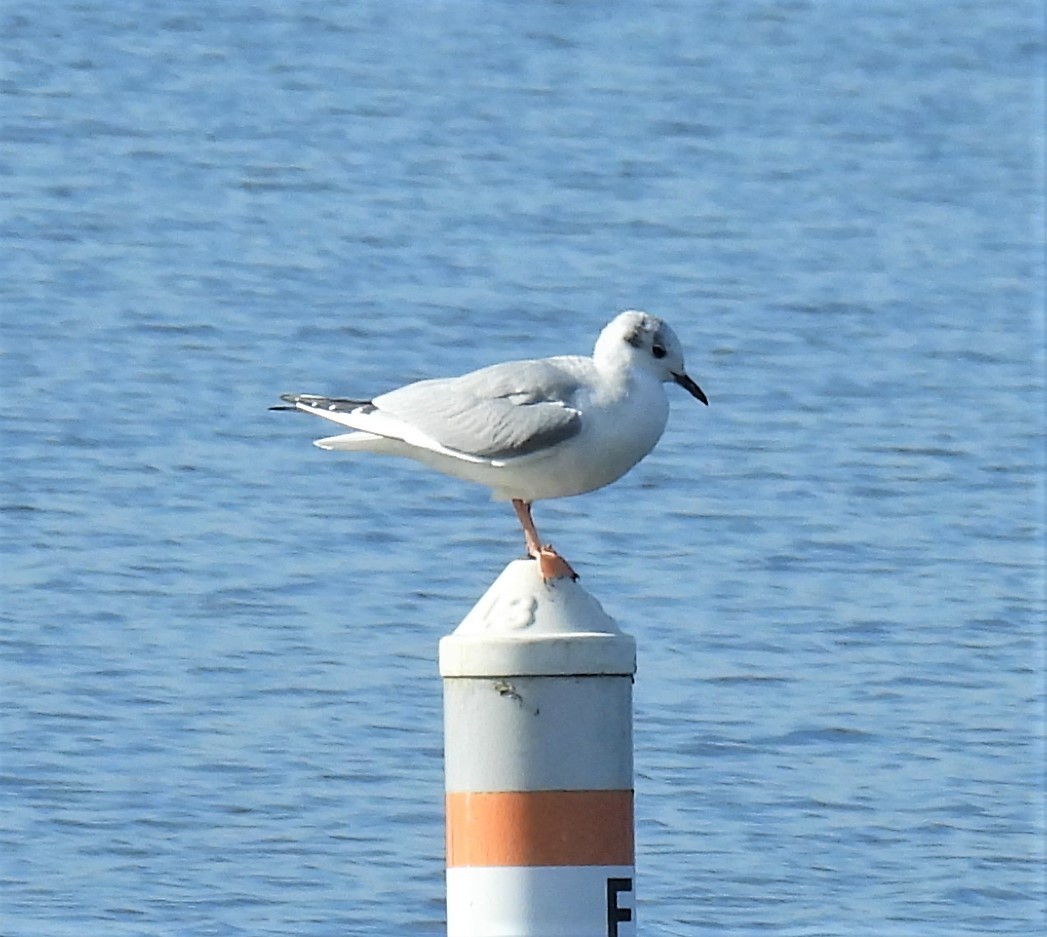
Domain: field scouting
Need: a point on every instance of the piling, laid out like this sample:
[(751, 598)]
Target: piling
[(539, 764)]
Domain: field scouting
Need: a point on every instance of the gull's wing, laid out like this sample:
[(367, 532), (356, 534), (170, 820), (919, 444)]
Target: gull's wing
[(492, 415), (369, 423), (497, 413)]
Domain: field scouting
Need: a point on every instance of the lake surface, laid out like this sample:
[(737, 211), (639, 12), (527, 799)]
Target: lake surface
[(221, 708)]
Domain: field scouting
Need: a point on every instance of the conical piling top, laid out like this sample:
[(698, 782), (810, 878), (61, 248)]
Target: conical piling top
[(524, 626)]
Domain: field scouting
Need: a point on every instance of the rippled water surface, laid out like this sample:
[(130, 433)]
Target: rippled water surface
[(221, 709)]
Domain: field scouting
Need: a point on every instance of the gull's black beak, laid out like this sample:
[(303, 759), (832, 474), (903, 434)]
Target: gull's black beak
[(693, 389)]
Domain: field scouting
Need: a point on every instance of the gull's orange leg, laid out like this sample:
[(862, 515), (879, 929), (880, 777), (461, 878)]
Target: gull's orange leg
[(550, 563)]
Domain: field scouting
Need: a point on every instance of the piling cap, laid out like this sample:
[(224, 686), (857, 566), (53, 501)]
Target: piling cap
[(524, 626)]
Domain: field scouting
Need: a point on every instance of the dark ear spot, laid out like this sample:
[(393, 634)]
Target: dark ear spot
[(635, 336)]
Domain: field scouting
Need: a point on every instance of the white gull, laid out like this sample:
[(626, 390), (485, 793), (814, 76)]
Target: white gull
[(528, 430)]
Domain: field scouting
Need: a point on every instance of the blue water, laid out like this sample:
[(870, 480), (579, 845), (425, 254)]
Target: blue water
[(221, 709)]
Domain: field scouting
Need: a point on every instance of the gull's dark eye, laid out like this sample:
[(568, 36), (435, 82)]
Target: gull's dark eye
[(658, 351)]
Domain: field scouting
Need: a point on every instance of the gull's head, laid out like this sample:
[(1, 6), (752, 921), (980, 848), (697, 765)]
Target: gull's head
[(639, 340)]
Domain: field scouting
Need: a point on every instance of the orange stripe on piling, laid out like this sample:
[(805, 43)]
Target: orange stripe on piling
[(539, 828)]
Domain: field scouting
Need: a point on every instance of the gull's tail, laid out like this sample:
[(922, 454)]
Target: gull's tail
[(374, 430), (341, 410)]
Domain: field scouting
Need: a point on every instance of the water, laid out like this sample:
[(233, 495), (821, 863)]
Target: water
[(221, 707)]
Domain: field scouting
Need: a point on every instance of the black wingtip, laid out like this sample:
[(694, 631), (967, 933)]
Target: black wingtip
[(314, 403), (291, 399)]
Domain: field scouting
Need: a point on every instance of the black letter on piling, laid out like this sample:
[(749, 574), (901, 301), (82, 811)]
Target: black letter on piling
[(616, 915)]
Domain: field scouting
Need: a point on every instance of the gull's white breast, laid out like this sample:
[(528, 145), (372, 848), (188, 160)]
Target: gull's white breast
[(622, 421)]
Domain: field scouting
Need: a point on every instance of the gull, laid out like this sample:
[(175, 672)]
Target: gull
[(528, 430)]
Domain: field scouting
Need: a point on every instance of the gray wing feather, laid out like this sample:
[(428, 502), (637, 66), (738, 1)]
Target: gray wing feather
[(504, 411)]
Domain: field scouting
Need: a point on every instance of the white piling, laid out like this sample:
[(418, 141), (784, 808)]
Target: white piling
[(539, 764)]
